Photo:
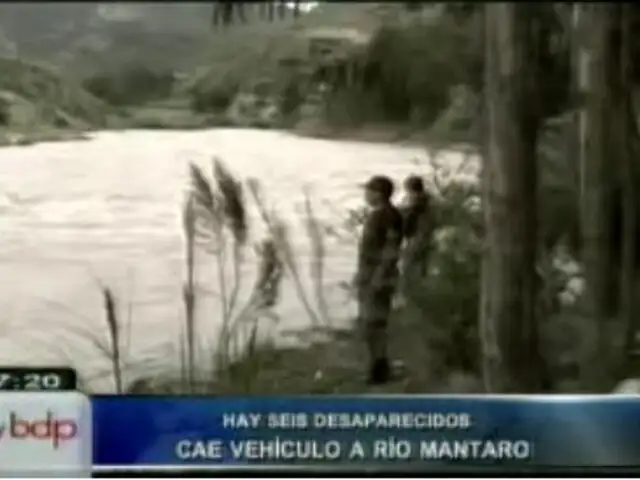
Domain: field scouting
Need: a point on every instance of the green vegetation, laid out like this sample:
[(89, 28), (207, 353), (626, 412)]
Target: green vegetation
[(434, 334), (405, 74), (144, 98), (36, 104), (330, 359), (405, 79), (504, 297), (264, 60), (241, 72), (132, 86)]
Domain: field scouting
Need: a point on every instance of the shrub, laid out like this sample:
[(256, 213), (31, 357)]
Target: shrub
[(132, 85), (410, 67), (408, 70), (215, 89), (213, 100)]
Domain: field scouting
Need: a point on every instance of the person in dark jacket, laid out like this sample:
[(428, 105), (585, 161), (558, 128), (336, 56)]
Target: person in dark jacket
[(417, 229), (377, 273)]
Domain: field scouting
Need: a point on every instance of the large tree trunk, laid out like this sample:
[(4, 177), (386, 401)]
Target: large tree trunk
[(580, 57), (629, 281), (605, 157), (508, 321)]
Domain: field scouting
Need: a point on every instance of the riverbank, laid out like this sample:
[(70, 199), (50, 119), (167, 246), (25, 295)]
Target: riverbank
[(151, 118), (432, 339), (335, 364), (390, 134), (369, 133), (24, 137), (89, 211), (172, 114), (176, 114), (154, 118)]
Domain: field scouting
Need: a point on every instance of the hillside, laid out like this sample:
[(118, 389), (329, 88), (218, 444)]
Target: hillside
[(214, 65), (89, 37), (35, 99), (252, 50)]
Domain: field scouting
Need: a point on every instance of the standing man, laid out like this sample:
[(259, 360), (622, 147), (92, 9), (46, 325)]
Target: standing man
[(377, 273), (417, 231)]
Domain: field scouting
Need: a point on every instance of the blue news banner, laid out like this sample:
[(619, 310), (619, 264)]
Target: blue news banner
[(415, 432)]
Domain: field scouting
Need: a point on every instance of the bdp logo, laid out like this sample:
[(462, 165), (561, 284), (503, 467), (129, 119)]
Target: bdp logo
[(49, 428), (45, 433)]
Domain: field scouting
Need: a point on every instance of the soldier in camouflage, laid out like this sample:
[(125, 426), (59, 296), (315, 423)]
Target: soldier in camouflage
[(377, 273), (418, 226)]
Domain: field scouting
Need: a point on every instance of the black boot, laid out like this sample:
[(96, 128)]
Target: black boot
[(380, 372)]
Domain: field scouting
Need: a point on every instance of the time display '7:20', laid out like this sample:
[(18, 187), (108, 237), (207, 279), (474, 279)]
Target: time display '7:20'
[(37, 379)]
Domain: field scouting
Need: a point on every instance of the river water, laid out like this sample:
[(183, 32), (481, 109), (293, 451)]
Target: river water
[(75, 215)]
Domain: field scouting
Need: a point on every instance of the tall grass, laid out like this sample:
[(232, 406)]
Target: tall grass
[(187, 355), (437, 326), (216, 213), (215, 224), (114, 336), (436, 329), (280, 234), (317, 257)]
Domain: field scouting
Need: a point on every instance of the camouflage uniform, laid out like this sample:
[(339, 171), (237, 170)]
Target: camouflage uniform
[(417, 232), (377, 276)]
